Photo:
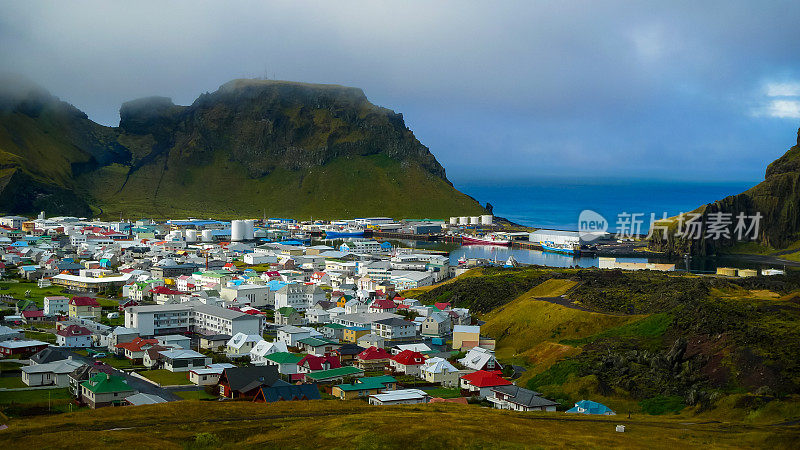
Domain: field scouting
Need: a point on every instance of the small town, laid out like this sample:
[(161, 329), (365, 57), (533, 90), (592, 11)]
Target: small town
[(125, 314), (383, 225)]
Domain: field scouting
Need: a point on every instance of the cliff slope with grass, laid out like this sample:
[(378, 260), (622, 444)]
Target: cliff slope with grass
[(252, 147), (641, 341), (777, 199)]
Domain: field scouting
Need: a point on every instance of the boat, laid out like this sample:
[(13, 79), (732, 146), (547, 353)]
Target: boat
[(344, 233), (550, 246), (487, 239)]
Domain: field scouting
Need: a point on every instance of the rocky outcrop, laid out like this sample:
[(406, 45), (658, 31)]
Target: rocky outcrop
[(776, 199)]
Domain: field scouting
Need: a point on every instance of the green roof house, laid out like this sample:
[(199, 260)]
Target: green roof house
[(105, 390)]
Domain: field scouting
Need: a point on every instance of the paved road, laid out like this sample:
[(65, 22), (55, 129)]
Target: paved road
[(134, 382)]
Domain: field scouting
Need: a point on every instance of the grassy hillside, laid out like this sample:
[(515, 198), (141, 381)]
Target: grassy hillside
[(524, 325), (353, 424), (346, 187), (641, 341)]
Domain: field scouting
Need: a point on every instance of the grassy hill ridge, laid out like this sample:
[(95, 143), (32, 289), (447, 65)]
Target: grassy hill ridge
[(353, 424), (252, 147)]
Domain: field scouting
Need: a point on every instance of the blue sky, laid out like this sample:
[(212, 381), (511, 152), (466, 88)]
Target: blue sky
[(498, 90)]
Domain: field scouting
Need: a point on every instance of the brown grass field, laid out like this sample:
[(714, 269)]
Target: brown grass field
[(354, 424)]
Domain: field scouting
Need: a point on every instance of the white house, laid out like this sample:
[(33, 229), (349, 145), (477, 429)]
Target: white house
[(394, 328), (241, 344), (298, 296), (254, 294), (439, 370), (400, 397), (54, 305), (74, 336), (316, 315), (262, 349), (180, 360), (290, 334), (208, 375), (516, 398), (49, 374), (480, 359)]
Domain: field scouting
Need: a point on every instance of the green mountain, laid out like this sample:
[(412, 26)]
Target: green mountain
[(777, 199), (252, 147)]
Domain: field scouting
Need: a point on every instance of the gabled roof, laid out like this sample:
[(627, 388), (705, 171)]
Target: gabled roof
[(349, 349), (438, 365), (245, 379), (482, 378), (373, 353), (590, 407), (137, 344), (49, 355), (74, 330), (286, 392), (144, 399), (524, 397), (104, 383), (334, 373), (284, 358), (317, 362), (368, 383), (409, 358), (383, 304), (84, 301)]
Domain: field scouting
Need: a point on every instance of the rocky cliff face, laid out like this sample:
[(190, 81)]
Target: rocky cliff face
[(251, 147), (264, 125), (777, 199)]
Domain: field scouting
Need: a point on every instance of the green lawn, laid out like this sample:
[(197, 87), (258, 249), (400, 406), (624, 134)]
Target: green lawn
[(39, 336), (11, 383), (17, 290), (35, 396), (118, 363), (165, 377), (444, 393), (6, 366), (195, 395)]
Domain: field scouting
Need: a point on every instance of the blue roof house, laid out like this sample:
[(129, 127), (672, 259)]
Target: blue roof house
[(590, 407)]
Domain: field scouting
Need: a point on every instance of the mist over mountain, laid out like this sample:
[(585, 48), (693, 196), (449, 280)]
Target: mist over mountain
[(252, 147)]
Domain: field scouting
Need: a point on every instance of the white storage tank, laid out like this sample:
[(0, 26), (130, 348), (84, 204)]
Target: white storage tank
[(487, 219), (475, 220), (237, 230), (463, 220), (249, 229), (208, 236), (453, 221), (191, 235)]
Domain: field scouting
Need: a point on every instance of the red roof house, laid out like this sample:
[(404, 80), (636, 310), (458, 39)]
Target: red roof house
[(84, 301), (312, 363), (481, 382), (373, 358), (407, 362), (382, 305)]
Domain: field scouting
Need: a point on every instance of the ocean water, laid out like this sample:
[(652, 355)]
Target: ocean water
[(556, 203)]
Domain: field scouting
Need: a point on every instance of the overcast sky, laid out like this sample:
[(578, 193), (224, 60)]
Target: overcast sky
[(692, 90)]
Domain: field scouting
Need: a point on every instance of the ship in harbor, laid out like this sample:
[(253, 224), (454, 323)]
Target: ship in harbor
[(487, 239), (340, 233), (550, 246)]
